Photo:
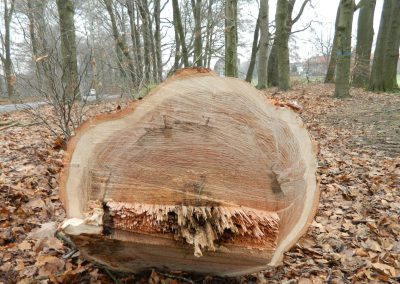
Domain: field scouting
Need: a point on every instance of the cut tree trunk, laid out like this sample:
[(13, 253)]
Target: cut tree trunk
[(203, 174)]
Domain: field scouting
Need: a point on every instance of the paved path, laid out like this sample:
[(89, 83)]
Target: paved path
[(14, 107)]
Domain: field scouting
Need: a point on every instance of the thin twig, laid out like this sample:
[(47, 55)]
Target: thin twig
[(111, 275), (177, 277)]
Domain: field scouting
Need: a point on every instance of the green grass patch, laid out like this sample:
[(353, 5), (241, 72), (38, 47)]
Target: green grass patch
[(310, 79)]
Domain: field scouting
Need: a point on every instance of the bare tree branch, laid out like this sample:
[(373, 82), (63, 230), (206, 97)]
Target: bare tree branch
[(300, 12)]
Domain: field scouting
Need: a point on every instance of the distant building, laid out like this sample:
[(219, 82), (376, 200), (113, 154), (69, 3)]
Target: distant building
[(297, 69), (315, 66)]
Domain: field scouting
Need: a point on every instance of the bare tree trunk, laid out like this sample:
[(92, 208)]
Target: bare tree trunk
[(231, 38), (6, 58), (330, 74), (177, 53), (135, 37), (122, 47), (281, 38), (139, 45), (152, 53), (157, 38), (263, 49), (273, 78), (365, 35), (179, 30), (68, 48), (146, 33), (254, 49), (198, 43), (392, 54), (209, 33), (342, 82), (35, 10), (383, 74), (91, 42)]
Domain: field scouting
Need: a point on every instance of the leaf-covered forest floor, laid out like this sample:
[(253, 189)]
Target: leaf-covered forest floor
[(355, 237)]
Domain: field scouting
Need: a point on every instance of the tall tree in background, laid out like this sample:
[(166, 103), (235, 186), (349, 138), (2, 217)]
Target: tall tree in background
[(209, 34), (273, 78), (365, 35), (135, 38), (179, 31), (254, 49), (149, 33), (121, 45), (383, 73), (198, 44), (231, 38), (6, 58), (342, 82), (37, 27), (68, 48), (157, 38), (263, 49), (281, 38), (330, 73), (148, 45)]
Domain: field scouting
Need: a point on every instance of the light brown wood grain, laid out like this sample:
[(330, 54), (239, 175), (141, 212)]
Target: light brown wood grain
[(204, 162)]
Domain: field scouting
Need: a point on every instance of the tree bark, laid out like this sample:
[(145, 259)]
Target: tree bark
[(146, 33), (35, 13), (157, 39), (198, 43), (68, 48), (209, 33), (330, 74), (122, 47), (393, 51), (178, 54), (342, 82), (135, 37), (6, 58), (273, 77), (383, 73), (365, 35), (152, 51), (263, 49), (254, 49), (179, 30), (281, 38), (231, 38)]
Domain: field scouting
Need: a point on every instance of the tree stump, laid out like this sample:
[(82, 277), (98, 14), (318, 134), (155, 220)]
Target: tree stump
[(203, 175)]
